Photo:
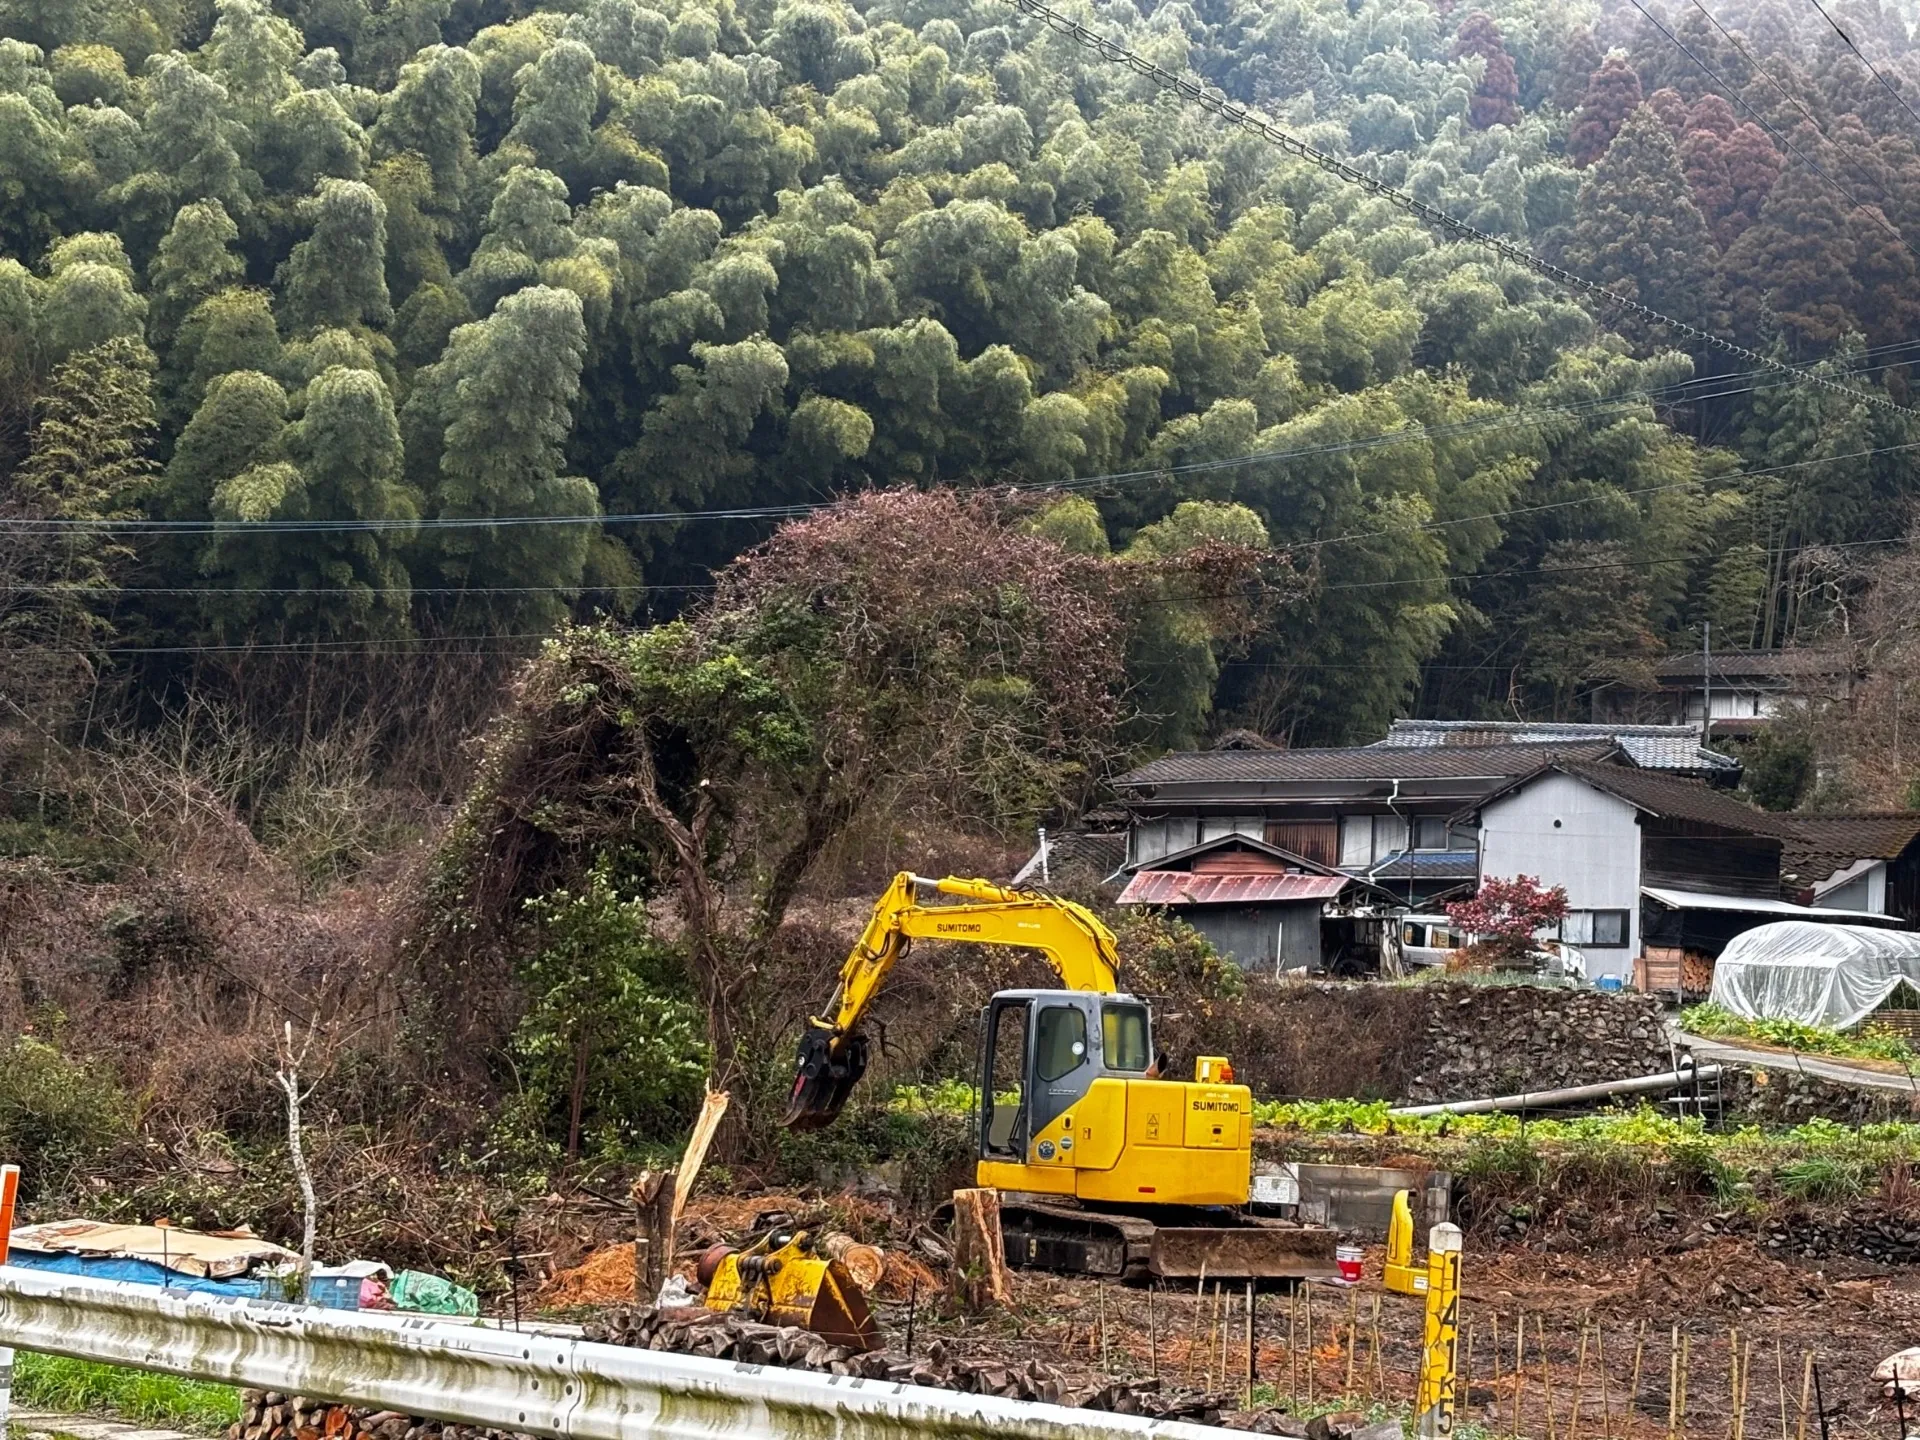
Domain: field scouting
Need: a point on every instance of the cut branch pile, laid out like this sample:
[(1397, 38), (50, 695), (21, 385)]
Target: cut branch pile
[(694, 1331), (269, 1415)]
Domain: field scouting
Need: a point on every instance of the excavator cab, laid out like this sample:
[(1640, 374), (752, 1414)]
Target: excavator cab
[(1041, 1052)]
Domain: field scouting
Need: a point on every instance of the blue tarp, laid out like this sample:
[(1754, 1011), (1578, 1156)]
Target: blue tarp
[(134, 1272)]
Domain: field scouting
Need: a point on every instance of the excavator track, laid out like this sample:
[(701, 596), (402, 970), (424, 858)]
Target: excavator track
[(1044, 1233)]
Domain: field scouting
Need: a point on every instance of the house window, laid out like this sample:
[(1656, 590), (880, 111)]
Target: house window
[(1601, 929), (1389, 836), (1217, 827), (1429, 834), (1356, 841)]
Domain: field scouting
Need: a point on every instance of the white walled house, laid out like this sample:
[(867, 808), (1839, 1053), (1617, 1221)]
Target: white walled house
[(1654, 865), (1562, 830)]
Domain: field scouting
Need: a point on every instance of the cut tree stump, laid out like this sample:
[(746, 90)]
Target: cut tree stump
[(653, 1195), (980, 1275)]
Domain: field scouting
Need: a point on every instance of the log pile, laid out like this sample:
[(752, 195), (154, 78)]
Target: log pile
[(270, 1415), (696, 1331)]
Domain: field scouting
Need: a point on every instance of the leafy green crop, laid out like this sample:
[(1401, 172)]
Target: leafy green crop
[(1867, 1043)]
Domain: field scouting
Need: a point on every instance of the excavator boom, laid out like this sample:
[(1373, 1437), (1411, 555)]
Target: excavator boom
[(833, 1051)]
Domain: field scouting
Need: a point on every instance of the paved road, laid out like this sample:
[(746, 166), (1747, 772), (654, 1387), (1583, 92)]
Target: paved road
[(1820, 1065)]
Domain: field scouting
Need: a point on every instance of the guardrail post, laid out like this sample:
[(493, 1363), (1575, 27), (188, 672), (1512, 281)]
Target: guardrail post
[(9, 1192), (1439, 1355)]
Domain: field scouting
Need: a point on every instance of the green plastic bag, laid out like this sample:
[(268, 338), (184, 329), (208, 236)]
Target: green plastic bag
[(431, 1295)]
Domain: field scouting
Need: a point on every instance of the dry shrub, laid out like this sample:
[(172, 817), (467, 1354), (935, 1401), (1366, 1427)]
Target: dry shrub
[(1289, 1039)]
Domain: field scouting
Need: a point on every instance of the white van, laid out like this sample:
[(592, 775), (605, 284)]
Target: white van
[(1429, 939)]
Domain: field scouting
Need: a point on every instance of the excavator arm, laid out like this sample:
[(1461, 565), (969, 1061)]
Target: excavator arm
[(834, 1051)]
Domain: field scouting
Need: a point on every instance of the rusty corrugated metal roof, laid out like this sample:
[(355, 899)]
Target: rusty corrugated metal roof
[(1182, 887)]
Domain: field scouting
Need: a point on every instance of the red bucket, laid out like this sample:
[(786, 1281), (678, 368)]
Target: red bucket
[(1349, 1260)]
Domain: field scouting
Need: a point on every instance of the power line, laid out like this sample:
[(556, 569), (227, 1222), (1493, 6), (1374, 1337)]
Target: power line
[(1621, 400), (1233, 113), (1885, 84), (1873, 213), (1645, 562)]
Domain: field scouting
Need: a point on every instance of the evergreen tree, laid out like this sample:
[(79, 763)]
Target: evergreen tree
[(553, 111), (1730, 166), (343, 459), (1637, 231), (239, 425), (190, 132), (486, 424), (337, 275), (194, 262), (88, 460), (89, 297), (1574, 67), (1792, 271), (1495, 97), (1611, 95)]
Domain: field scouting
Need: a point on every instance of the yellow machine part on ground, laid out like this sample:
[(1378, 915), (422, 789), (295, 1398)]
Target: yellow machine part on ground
[(784, 1281)]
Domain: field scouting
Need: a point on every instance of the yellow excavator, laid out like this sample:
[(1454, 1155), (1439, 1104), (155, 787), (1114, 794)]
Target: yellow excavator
[(1103, 1166)]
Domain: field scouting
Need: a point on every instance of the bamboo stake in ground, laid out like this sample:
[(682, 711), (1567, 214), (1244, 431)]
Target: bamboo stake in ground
[(1379, 1384), (1633, 1384), (1546, 1373), (1519, 1369), (1496, 1351), (1780, 1374), (1293, 1351), (1600, 1360), (1465, 1386), (1673, 1385), (1199, 1309), (1732, 1383), (1579, 1382), (1806, 1391), (1686, 1375), (1105, 1367), (1153, 1332), (1306, 1287), (1353, 1326), (1253, 1357), (1213, 1334)]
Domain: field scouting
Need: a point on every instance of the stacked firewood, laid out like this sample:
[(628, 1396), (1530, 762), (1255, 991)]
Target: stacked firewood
[(696, 1331), (269, 1415)]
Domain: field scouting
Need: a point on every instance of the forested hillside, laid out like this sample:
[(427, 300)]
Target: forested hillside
[(359, 308)]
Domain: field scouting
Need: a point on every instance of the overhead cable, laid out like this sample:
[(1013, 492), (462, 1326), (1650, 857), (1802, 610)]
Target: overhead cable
[(1233, 113), (1872, 212), (1753, 63), (1885, 84)]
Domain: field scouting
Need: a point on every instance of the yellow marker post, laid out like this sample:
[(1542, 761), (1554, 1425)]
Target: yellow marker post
[(1440, 1355)]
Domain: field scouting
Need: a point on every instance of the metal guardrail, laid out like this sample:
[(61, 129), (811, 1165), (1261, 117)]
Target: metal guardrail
[(535, 1384)]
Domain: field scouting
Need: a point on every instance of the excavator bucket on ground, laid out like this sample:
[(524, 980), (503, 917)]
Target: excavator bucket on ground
[(784, 1280), (823, 1077)]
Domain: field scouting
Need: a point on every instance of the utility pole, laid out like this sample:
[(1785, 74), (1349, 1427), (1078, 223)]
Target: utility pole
[(1706, 683)]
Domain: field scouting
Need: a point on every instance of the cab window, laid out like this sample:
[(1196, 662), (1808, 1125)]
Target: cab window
[(1060, 1043), (1413, 935), (1123, 1034)]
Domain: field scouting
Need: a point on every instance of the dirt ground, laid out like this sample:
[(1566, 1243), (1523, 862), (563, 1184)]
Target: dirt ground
[(1598, 1357)]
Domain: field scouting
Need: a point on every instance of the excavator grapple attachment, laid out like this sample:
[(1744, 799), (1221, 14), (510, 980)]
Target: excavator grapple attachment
[(784, 1280), (823, 1077)]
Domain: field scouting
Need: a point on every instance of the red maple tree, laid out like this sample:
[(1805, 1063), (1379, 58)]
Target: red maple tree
[(1506, 915)]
